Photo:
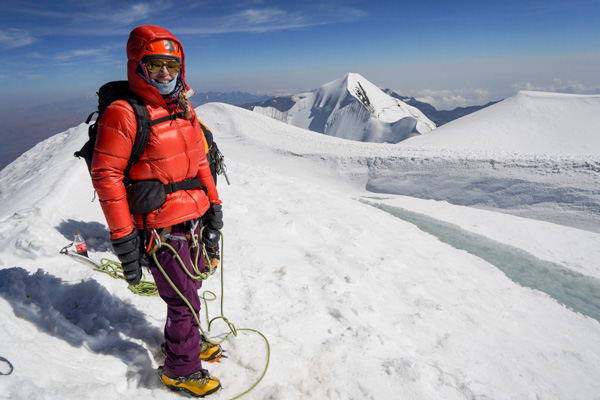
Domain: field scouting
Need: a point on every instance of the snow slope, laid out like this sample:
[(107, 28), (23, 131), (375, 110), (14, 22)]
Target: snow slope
[(356, 302), (353, 108), (556, 180), (529, 122)]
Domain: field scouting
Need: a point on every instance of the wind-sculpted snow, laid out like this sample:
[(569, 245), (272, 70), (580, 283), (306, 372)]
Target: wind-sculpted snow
[(551, 187), (560, 191)]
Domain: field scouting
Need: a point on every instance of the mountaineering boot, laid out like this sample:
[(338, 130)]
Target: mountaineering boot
[(199, 384), (210, 352), (213, 256)]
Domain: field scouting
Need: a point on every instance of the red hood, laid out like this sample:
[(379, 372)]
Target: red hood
[(139, 38)]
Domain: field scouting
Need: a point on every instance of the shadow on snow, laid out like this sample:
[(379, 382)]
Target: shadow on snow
[(84, 314)]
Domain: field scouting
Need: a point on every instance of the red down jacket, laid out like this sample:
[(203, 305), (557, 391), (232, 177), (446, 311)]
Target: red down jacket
[(175, 151)]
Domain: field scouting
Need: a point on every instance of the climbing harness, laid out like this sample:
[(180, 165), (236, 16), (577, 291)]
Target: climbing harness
[(146, 288), (10, 366)]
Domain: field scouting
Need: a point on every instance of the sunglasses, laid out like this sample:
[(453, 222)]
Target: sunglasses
[(154, 65)]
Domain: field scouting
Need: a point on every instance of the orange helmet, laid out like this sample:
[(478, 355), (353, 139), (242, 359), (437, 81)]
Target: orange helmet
[(163, 48)]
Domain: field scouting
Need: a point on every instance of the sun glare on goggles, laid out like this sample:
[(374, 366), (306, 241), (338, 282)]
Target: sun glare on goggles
[(155, 64)]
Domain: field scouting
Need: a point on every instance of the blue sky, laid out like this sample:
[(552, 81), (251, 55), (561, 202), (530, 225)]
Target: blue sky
[(449, 53)]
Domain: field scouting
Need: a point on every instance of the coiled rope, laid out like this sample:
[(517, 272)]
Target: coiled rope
[(114, 269)]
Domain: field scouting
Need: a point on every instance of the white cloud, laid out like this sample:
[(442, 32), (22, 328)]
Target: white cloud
[(447, 99), (258, 17), (271, 19), (135, 12), (11, 38), (78, 53), (558, 86)]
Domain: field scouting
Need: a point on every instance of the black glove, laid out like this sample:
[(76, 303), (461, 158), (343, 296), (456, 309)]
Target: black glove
[(128, 251), (211, 238), (213, 217)]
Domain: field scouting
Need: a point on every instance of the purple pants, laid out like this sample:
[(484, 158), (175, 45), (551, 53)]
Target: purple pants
[(182, 334)]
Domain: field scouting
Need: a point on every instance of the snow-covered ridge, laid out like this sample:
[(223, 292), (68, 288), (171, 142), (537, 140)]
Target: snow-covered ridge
[(529, 122), (560, 188), (353, 108)]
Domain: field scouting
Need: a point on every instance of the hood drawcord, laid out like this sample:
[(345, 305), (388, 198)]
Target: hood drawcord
[(185, 105)]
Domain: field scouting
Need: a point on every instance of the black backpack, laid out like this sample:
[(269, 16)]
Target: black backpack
[(108, 93)]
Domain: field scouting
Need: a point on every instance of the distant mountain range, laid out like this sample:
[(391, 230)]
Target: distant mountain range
[(439, 117), (351, 108), (25, 129)]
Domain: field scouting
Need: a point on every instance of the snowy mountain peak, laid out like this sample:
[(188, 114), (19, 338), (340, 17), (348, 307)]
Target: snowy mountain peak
[(353, 108), (357, 86), (353, 84)]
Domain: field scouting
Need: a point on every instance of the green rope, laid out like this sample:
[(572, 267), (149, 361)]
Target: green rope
[(114, 269), (147, 288), (204, 276)]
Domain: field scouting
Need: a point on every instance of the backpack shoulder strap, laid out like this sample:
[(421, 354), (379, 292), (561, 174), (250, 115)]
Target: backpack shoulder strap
[(143, 128), (143, 131)]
